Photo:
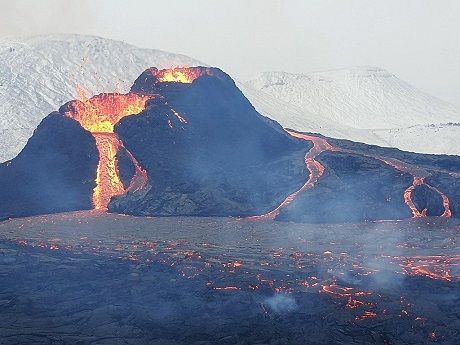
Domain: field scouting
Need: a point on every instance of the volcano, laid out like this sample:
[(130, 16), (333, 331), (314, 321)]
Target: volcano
[(186, 141)]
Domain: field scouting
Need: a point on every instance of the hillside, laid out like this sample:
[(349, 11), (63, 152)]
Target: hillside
[(367, 104)]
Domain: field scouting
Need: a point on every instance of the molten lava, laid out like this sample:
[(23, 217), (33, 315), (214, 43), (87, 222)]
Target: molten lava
[(315, 168), (108, 181), (419, 176), (98, 115), (438, 267), (180, 74), (418, 181)]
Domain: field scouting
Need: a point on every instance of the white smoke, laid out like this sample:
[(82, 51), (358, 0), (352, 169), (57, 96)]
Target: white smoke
[(281, 303)]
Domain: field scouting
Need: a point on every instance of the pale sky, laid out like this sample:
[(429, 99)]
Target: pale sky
[(418, 40)]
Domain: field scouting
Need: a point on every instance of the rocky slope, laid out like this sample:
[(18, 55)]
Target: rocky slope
[(54, 173)]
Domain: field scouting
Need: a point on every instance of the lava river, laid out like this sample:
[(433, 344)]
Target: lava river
[(98, 115)]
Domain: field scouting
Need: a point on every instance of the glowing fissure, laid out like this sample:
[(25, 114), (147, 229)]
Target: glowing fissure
[(98, 115)]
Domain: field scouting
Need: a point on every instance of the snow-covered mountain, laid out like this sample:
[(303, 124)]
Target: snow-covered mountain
[(39, 74), (366, 104)]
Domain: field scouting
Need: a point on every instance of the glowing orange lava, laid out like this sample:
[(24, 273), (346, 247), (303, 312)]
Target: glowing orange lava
[(438, 267), (418, 181), (355, 298), (180, 74), (315, 168), (98, 115), (445, 201), (419, 175), (108, 181)]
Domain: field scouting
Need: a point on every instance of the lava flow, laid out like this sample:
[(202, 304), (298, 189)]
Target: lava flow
[(98, 115), (419, 176), (438, 267), (418, 181), (315, 168)]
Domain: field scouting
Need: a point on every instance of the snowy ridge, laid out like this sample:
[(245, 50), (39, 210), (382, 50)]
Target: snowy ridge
[(39, 74), (366, 104), (360, 97)]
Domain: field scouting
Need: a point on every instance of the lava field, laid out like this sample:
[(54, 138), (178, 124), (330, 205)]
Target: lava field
[(95, 278)]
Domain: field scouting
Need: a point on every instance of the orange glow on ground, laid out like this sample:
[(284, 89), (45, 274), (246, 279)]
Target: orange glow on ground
[(438, 267)]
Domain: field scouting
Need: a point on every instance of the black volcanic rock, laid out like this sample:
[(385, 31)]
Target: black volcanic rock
[(125, 167), (450, 186), (352, 189), (55, 171), (449, 163), (426, 198), (226, 159)]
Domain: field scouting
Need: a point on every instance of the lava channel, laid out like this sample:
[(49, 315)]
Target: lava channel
[(315, 168), (98, 115), (419, 176)]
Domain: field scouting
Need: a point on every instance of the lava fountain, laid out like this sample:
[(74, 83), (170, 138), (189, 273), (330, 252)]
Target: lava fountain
[(98, 115)]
